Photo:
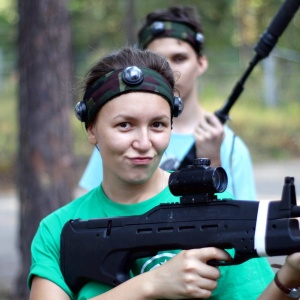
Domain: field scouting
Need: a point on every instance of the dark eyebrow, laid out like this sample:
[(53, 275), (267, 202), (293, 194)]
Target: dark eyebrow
[(162, 116)]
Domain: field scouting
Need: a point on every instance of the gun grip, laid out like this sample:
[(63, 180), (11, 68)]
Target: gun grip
[(217, 263)]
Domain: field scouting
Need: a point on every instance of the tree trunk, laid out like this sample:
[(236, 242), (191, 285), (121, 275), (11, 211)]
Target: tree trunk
[(45, 159)]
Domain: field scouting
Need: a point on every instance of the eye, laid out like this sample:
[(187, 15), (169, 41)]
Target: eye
[(178, 59), (159, 125), (124, 125)]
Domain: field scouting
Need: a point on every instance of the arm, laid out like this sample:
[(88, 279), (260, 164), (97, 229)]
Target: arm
[(184, 276), (47, 290), (289, 276)]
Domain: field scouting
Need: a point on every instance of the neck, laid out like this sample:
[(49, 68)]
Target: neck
[(129, 193), (189, 119)]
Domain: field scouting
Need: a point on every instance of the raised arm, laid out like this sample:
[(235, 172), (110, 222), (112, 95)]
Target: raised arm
[(209, 135)]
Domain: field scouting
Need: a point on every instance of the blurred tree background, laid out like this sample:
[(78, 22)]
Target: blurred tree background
[(231, 27), (266, 115)]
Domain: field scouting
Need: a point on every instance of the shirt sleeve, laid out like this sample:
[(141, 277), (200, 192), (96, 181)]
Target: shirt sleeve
[(93, 173), (45, 252), (237, 162), (242, 172)]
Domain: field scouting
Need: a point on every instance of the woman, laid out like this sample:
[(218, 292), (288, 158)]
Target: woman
[(176, 33), (127, 110)]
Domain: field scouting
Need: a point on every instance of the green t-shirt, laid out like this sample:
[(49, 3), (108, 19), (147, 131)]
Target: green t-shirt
[(245, 281)]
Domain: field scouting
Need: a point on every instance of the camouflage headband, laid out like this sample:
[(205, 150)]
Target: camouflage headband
[(171, 29), (123, 81)]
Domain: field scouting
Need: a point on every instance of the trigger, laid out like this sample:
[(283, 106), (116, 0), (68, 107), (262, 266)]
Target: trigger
[(217, 263)]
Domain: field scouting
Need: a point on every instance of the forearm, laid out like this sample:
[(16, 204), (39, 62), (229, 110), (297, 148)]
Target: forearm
[(44, 289), (288, 277), (274, 293), (184, 276), (215, 161), (137, 288)]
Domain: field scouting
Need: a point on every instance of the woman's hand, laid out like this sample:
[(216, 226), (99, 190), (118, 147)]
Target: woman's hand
[(187, 275)]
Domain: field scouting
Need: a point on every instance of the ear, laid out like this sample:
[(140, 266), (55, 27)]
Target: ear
[(203, 64), (92, 137)]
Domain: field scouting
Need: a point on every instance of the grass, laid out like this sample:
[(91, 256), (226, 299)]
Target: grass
[(270, 133)]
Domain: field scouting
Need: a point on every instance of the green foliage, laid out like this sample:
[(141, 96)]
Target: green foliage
[(96, 24), (269, 133), (8, 124), (8, 22)]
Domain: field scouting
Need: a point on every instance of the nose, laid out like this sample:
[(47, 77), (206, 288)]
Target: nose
[(175, 70), (142, 141)]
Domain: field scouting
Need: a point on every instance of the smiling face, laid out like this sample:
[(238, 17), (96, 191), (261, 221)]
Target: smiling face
[(132, 132), (185, 63)]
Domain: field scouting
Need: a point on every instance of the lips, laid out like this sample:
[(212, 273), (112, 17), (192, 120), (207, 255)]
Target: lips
[(141, 160)]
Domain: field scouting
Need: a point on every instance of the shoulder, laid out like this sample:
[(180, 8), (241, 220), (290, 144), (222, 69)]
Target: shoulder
[(77, 208), (50, 228)]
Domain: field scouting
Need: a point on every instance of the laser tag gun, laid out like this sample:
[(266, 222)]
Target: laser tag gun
[(103, 250), (263, 48)]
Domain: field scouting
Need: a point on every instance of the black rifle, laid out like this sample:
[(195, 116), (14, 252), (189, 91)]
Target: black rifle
[(103, 250)]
